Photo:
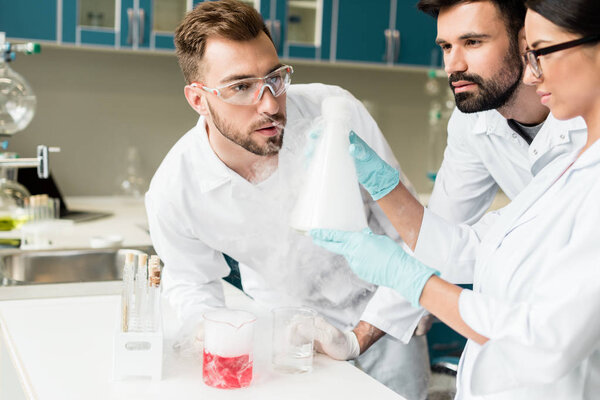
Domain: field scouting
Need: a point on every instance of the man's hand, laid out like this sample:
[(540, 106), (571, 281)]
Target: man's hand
[(335, 343), (424, 325)]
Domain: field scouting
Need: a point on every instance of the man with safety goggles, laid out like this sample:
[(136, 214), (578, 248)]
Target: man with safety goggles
[(228, 186)]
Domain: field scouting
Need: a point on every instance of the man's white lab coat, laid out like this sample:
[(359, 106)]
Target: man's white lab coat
[(484, 154), (198, 209)]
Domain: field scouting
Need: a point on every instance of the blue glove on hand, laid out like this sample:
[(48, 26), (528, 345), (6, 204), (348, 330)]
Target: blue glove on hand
[(373, 173), (379, 260)]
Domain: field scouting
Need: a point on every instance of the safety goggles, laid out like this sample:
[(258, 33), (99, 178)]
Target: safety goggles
[(249, 91), (531, 57)]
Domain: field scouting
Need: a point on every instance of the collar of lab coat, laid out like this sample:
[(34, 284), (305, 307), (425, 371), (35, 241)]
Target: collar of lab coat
[(212, 172), (487, 122), (547, 143), (552, 139)]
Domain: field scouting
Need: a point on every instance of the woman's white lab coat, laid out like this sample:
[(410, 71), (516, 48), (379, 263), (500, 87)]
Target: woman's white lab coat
[(536, 292)]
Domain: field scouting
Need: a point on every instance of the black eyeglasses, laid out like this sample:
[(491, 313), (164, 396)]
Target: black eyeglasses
[(531, 57)]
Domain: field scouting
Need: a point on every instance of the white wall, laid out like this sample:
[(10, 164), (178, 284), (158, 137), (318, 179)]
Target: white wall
[(95, 103)]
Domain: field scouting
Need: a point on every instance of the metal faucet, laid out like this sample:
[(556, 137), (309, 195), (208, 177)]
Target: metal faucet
[(41, 161)]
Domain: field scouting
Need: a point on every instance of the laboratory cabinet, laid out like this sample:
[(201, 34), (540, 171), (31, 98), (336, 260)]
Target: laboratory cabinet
[(29, 19), (384, 31), (127, 24), (381, 31), (299, 28)]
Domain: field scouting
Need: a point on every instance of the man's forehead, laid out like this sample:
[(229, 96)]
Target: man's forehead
[(467, 19), (226, 59)]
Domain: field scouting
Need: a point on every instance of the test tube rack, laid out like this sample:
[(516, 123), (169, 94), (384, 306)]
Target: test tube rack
[(138, 353)]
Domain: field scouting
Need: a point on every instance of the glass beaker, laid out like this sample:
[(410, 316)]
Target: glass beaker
[(293, 338), (228, 344)]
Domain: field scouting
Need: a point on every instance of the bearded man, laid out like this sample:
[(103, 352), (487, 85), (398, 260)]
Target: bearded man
[(228, 187), (499, 136)]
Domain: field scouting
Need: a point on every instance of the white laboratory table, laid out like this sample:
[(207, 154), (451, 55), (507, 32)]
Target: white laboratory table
[(62, 349), (58, 339)]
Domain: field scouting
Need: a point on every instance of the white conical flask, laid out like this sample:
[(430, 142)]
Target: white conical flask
[(330, 198)]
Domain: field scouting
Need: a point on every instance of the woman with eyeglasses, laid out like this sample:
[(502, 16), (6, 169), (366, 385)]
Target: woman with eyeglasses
[(532, 318)]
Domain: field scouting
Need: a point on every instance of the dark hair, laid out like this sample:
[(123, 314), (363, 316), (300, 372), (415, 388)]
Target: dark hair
[(512, 11), (575, 16), (229, 19)]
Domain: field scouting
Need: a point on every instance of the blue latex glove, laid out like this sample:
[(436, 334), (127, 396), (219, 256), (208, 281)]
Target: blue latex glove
[(379, 260), (374, 174)]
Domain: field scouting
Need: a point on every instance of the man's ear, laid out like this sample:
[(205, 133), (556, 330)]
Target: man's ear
[(196, 100), (522, 41)]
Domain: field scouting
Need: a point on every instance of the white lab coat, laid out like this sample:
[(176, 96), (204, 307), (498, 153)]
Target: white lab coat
[(484, 154), (198, 209), (536, 290)]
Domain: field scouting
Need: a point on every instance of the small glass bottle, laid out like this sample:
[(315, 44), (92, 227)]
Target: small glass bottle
[(131, 183)]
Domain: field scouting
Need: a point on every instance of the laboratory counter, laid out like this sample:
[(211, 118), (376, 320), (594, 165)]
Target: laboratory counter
[(62, 348), (56, 340), (128, 221)]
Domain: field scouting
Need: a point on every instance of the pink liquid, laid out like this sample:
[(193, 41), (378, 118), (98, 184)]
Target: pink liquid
[(227, 372)]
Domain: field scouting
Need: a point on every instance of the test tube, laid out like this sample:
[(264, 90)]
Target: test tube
[(153, 312), (127, 292), (141, 285), (55, 208)]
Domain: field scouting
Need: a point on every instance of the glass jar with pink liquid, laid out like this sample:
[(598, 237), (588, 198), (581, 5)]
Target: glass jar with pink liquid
[(228, 345)]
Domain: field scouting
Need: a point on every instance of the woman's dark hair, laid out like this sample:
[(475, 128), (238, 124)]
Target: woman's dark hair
[(575, 16), (511, 11)]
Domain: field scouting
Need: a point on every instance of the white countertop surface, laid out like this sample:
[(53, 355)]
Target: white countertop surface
[(59, 337), (62, 349)]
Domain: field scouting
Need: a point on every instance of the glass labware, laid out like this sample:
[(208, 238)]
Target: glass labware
[(293, 339), (228, 348), (17, 101), (12, 200)]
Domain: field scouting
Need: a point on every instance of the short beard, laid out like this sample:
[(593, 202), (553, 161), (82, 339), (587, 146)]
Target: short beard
[(270, 148), (497, 91)]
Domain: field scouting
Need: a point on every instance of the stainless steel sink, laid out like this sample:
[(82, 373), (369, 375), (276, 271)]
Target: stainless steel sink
[(27, 267)]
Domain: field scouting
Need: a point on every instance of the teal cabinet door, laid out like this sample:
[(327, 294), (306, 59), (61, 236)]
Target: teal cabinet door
[(166, 17), (307, 28), (361, 27), (417, 36), (90, 22), (136, 18), (28, 19)]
